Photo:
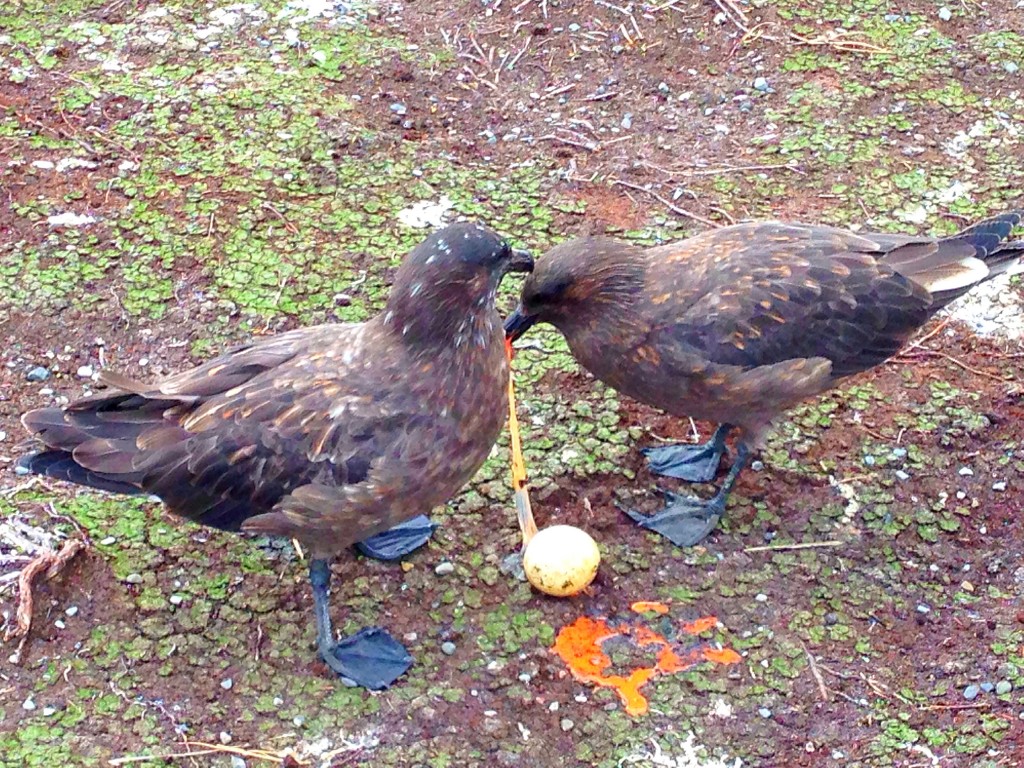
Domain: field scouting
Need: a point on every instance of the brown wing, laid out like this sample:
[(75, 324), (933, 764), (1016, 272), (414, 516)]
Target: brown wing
[(234, 437), (761, 294)]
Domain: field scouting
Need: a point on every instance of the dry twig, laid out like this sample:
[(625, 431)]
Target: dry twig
[(206, 748), (667, 203), (50, 562), (804, 545), (822, 688)]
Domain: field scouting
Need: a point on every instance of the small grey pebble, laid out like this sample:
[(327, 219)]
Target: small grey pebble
[(574, 27), (278, 701), (999, 485), (899, 453), (398, 108), (47, 711), (757, 466), (38, 374), (761, 84), (226, 683), (988, 687), (512, 565), (945, 14), (922, 608), (1003, 687), (134, 578), (567, 724), (869, 460), (20, 470), (831, 619), (85, 372), (971, 692), (176, 599), (28, 704), (298, 720), (902, 475), (59, 624), (764, 712), (225, 737), (448, 648), (1011, 67), (966, 472), (107, 541), (237, 762), (72, 611), (443, 569)]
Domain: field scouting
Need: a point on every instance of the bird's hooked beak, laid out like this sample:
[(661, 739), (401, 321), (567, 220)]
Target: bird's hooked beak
[(520, 261), (517, 324)]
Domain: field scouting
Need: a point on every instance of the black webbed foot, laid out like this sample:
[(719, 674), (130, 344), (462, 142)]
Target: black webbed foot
[(399, 541), (371, 658), (692, 463), (685, 520)]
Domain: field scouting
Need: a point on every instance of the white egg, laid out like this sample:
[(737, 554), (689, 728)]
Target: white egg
[(561, 560)]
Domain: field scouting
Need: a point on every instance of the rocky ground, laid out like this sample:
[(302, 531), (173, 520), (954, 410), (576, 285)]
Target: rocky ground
[(178, 176)]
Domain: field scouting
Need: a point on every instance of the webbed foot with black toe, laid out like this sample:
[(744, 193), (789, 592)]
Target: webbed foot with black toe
[(692, 463), (371, 658), (687, 520)]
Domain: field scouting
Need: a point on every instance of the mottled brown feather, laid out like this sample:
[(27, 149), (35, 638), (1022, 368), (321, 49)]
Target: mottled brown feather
[(328, 434), (737, 324)]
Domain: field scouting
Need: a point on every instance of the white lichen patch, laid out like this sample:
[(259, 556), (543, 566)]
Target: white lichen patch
[(687, 755), (70, 219), (20, 542), (995, 308), (425, 213)]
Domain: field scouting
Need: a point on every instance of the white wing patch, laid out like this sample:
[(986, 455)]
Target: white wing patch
[(972, 270)]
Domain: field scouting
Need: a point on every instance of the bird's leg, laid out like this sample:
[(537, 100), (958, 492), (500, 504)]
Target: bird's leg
[(687, 520), (320, 581), (693, 463), (370, 658)]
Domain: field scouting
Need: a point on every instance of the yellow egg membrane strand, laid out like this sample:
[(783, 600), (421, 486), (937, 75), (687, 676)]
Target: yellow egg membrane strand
[(522, 498)]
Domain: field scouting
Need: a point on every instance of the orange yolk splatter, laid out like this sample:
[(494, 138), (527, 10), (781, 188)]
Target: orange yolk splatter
[(700, 625), (579, 645), (643, 606)]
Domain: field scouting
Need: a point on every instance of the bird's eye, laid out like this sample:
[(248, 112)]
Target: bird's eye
[(550, 293), (506, 251)]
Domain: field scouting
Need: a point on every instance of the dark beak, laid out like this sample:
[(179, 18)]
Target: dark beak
[(518, 324), (520, 261)]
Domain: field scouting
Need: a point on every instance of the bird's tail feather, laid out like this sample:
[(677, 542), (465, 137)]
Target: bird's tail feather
[(94, 442), (60, 465), (950, 267)]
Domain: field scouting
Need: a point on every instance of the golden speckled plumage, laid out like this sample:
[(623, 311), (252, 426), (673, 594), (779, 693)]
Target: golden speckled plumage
[(738, 324)]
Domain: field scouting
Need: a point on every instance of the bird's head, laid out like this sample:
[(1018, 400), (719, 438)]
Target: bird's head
[(576, 281), (451, 279)]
